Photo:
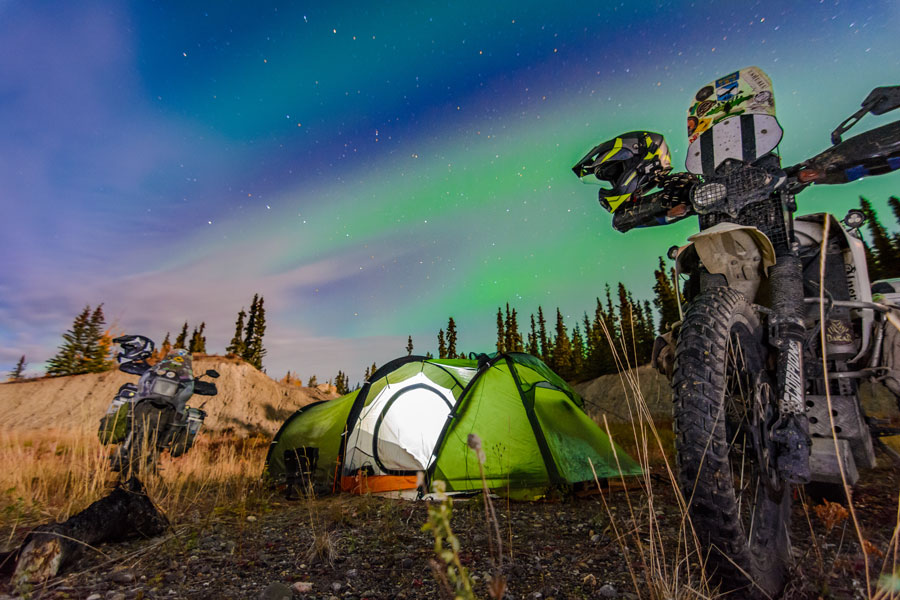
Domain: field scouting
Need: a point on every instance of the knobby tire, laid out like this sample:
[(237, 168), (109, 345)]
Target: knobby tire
[(742, 524)]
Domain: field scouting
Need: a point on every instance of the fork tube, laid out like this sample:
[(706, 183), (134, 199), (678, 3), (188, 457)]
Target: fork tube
[(791, 432)]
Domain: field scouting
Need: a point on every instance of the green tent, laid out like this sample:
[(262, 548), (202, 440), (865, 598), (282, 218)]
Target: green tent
[(415, 414)]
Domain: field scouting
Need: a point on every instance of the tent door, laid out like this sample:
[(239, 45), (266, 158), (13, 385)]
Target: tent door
[(408, 429)]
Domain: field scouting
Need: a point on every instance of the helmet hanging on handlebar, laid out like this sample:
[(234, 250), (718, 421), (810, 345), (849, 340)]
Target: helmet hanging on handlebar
[(630, 163)]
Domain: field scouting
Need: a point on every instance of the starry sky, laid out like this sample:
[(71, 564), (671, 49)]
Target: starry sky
[(370, 168)]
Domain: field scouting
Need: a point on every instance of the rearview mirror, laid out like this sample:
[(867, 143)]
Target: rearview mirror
[(212, 373), (879, 101), (883, 99)]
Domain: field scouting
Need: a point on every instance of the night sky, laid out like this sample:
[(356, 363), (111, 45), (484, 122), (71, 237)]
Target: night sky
[(370, 170)]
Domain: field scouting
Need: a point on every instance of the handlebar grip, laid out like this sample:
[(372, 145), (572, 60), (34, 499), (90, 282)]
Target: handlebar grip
[(640, 215)]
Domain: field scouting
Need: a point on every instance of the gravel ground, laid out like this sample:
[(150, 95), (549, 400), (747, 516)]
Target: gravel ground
[(375, 548)]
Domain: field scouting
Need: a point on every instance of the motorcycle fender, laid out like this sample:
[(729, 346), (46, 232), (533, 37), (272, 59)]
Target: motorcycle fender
[(741, 253)]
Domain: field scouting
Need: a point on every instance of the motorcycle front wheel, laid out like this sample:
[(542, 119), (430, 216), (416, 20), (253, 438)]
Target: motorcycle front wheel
[(139, 454), (724, 407)]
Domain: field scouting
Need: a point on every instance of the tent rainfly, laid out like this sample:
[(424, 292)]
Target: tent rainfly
[(414, 415)]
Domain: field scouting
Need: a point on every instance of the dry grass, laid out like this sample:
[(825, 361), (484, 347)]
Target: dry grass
[(661, 570), (52, 475)]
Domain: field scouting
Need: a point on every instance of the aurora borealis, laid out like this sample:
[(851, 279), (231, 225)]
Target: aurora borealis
[(370, 170)]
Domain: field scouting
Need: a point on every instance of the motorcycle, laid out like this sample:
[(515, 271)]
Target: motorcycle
[(148, 418), (779, 326)]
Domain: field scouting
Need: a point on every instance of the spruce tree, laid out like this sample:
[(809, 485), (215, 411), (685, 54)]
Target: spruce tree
[(442, 347), (508, 332), (75, 353), (451, 338), (255, 350), (341, 383), (501, 331), (409, 346), (164, 348), (516, 335), (542, 336), (561, 355), (74, 350), (249, 328), (626, 327), (666, 299), (312, 382), (884, 252), (577, 354), (192, 345), (602, 342), (374, 368), (894, 203), (99, 344), (644, 334), (612, 322), (236, 346), (201, 339), (533, 348), (181, 340), (17, 373)]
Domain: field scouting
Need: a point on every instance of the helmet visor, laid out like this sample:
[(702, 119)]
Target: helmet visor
[(604, 164)]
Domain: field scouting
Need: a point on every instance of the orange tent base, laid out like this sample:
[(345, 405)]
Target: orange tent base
[(366, 484)]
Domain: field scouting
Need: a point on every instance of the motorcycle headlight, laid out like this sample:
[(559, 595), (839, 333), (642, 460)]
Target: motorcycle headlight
[(165, 388), (705, 197)]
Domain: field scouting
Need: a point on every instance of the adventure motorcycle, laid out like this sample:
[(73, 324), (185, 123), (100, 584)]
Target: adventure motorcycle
[(780, 326), (153, 416)]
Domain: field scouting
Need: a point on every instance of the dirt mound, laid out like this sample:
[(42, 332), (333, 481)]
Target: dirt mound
[(248, 400), (612, 395)]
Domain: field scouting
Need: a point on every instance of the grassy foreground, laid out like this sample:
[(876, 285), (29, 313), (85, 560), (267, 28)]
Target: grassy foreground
[(54, 474), (650, 549)]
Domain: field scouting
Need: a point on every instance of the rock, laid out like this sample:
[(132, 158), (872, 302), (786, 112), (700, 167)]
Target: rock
[(406, 563), (302, 587), (336, 586), (123, 576), (277, 591), (607, 590), (94, 597), (352, 573), (115, 596), (251, 518)]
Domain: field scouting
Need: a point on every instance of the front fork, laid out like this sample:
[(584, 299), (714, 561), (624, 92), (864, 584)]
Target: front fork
[(787, 333)]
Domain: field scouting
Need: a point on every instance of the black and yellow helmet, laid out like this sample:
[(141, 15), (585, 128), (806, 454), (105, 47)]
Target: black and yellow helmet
[(630, 163)]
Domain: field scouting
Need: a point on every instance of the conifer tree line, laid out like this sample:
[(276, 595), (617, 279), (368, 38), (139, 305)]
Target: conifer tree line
[(87, 345), (584, 351), (247, 341), (883, 255)]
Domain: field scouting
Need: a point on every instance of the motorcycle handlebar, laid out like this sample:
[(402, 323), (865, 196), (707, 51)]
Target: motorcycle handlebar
[(873, 152)]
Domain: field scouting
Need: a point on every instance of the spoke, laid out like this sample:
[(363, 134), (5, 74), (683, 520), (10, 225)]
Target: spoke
[(753, 510)]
